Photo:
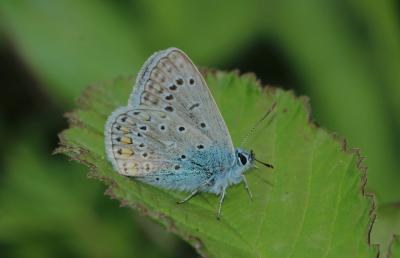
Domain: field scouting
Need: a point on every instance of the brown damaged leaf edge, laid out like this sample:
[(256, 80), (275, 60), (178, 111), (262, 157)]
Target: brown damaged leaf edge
[(75, 153)]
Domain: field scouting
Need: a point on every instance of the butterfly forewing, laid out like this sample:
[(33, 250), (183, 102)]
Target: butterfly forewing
[(169, 81)]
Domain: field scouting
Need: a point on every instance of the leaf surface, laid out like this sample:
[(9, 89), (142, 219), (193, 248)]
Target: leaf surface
[(311, 205)]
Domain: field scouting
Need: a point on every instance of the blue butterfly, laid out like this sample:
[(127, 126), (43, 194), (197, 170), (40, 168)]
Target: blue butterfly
[(172, 135)]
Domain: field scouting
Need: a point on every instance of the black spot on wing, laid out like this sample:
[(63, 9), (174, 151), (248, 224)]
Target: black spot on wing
[(194, 106)]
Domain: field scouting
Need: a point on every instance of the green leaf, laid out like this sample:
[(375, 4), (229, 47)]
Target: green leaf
[(311, 205)]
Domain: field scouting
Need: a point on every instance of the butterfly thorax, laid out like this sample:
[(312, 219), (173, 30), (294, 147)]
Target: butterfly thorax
[(231, 173)]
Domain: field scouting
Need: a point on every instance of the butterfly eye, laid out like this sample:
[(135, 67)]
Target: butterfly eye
[(242, 158)]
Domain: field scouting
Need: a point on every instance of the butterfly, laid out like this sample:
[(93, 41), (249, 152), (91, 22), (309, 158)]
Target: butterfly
[(172, 135)]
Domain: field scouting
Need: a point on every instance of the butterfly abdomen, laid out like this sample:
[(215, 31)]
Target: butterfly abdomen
[(198, 168)]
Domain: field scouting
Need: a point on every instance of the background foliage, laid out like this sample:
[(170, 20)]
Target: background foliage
[(344, 55)]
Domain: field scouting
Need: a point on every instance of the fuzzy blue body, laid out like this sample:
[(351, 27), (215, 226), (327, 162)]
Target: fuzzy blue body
[(211, 170)]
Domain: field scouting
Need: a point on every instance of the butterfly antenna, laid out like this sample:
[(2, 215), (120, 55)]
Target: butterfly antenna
[(264, 163), (245, 139)]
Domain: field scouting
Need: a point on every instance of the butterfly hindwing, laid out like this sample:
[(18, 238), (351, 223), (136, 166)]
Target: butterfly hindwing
[(143, 144)]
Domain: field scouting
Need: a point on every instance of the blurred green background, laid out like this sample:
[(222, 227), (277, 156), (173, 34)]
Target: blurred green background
[(345, 55)]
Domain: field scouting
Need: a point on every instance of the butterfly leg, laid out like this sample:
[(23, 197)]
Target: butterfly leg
[(196, 191), (189, 196), (246, 185), (221, 201)]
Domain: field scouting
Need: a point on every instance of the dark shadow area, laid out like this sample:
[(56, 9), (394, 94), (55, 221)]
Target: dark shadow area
[(268, 62), (24, 103)]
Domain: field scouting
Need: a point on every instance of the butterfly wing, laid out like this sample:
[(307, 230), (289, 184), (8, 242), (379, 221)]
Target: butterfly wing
[(171, 117)]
